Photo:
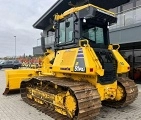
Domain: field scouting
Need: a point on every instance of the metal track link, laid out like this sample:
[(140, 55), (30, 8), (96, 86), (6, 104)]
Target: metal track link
[(131, 93), (88, 99)]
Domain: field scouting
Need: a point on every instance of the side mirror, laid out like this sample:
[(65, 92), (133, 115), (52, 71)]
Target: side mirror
[(67, 24)]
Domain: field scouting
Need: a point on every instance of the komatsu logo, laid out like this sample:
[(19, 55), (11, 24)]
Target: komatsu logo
[(79, 69), (79, 65)]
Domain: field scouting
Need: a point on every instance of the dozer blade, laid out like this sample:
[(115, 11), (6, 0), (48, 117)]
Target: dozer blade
[(62, 98), (14, 78)]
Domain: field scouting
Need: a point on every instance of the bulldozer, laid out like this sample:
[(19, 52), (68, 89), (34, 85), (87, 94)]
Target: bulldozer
[(83, 72)]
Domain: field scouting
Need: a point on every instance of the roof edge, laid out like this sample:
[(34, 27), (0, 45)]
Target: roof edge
[(46, 13)]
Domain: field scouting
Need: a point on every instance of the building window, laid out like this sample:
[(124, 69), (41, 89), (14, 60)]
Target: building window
[(119, 9), (137, 55), (114, 10), (127, 6), (133, 57), (138, 3)]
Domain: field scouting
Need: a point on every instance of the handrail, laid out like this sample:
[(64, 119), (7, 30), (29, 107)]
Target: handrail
[(133, 14), (130, 9)]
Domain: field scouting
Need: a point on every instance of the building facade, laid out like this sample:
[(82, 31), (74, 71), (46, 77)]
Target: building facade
[(127, 33)]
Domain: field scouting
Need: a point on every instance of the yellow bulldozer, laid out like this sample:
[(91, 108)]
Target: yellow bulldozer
[(83, 72)]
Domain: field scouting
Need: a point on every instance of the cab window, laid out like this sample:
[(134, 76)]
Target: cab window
[(66, 31), (69, 29), (62, 32), (94, 34)]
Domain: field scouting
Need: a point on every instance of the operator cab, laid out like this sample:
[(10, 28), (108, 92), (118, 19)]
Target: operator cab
[(90, 23)]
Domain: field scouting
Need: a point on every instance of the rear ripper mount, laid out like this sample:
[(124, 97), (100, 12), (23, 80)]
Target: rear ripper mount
[(130, 93)]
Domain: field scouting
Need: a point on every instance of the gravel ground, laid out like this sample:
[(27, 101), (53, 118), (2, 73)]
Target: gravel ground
[(13, 108)]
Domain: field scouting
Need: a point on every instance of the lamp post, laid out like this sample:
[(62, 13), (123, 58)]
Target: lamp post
[(37, 40), (15, 46)]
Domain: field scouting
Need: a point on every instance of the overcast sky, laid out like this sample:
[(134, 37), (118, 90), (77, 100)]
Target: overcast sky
[(16, 19)]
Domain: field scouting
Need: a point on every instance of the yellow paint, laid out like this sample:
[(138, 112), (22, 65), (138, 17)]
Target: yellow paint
[(46, 61), (70, 104), (91, 62), (123, 66), (76, 9), (64, 103), (120, 93), (111, 46), (59, 103), (90, 58), (66, 55), (14, 77), (107, 91), (38, 101), (29, 96), (66, 65)]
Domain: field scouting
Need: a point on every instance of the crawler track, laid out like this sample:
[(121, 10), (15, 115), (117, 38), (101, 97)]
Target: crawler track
[(130, 90), (87, 97)]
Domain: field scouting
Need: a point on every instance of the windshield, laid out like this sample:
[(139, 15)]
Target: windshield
[(66, 31), (94, 34)]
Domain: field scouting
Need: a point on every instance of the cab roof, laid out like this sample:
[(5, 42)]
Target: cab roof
[(44, 22)]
